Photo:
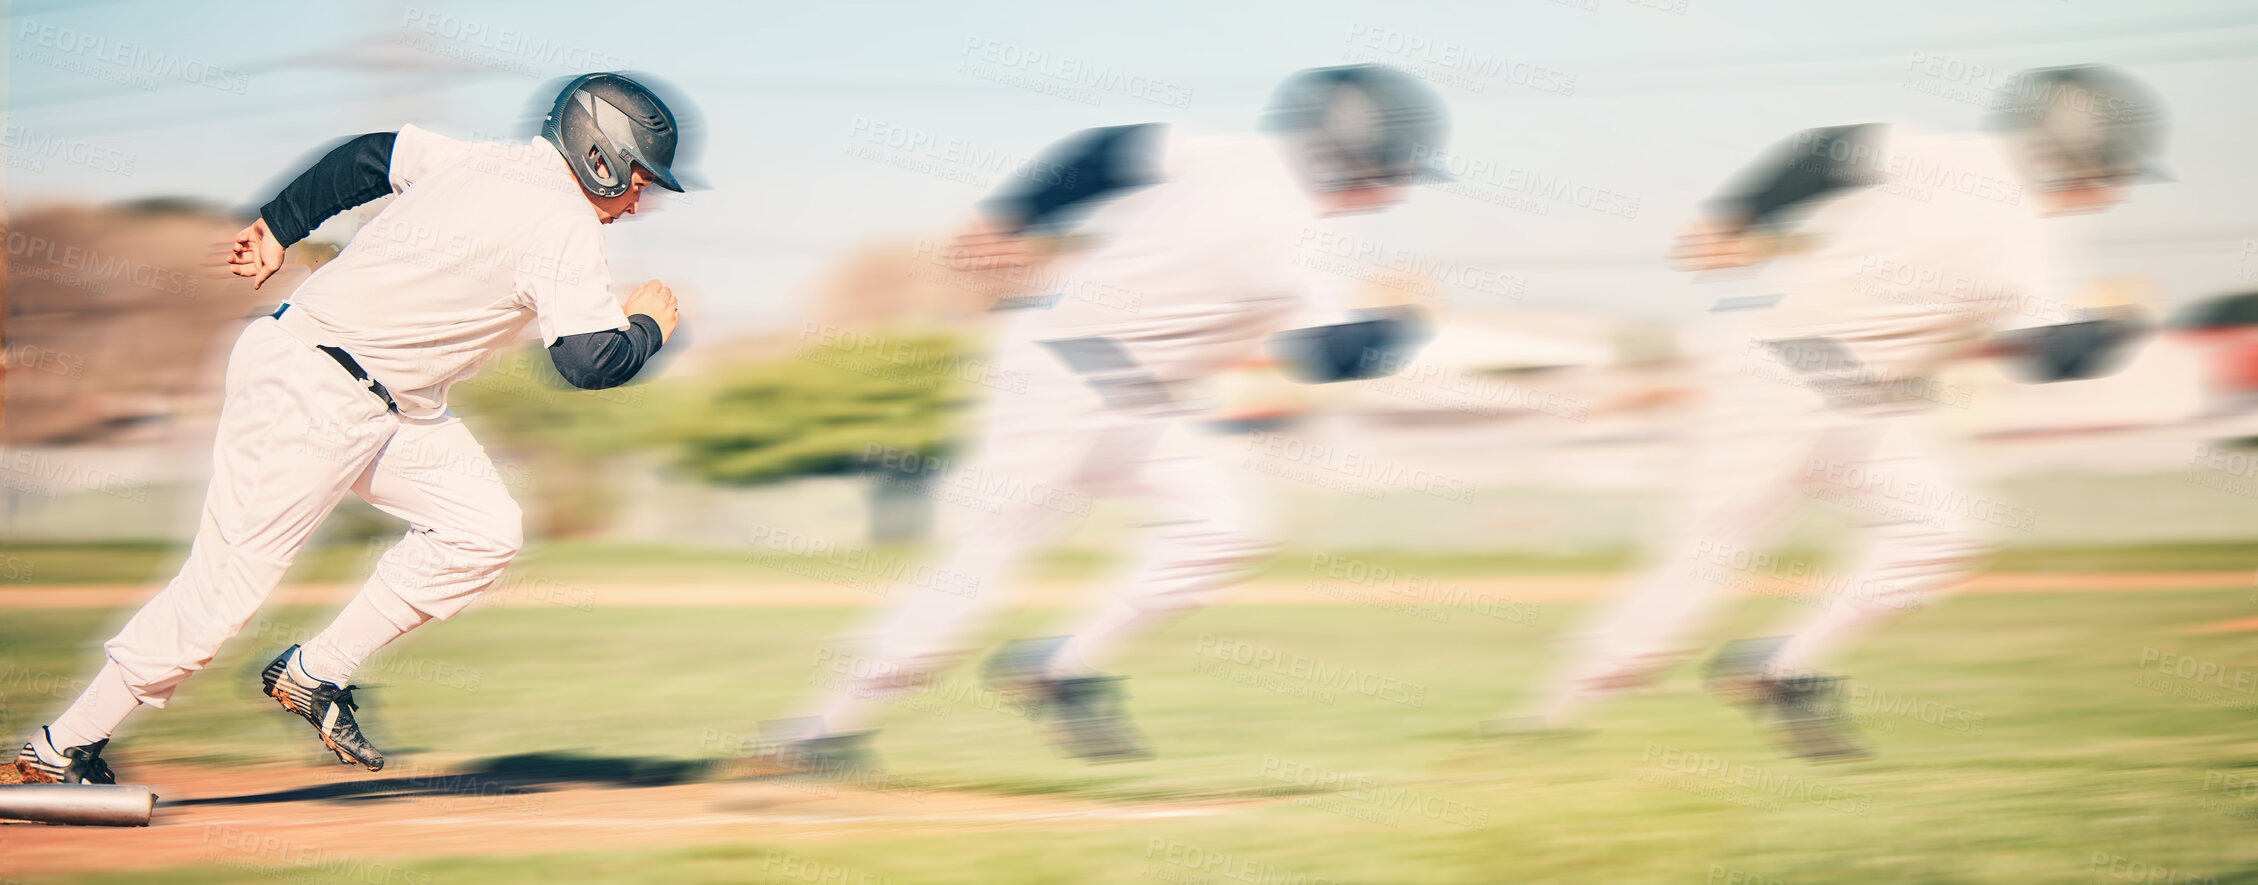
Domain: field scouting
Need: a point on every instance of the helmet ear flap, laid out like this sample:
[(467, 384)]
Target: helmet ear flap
[(575, 125), (609, 172)]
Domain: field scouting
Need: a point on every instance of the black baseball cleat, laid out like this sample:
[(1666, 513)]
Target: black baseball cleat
[(325, 706), (1806, 721), (1799, 711), (1084, 719), (81, 765), (1082, 716)]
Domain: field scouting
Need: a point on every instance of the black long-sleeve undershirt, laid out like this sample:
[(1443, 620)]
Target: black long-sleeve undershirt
[(609, 358), (1816, 164), (355, 172), (1050, 192)]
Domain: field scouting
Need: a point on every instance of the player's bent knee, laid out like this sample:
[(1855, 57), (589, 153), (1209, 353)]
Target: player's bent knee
[(500, 538)]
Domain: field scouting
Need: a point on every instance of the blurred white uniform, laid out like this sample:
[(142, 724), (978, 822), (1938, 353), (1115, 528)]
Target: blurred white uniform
[(1099, 391), (1817, 389)]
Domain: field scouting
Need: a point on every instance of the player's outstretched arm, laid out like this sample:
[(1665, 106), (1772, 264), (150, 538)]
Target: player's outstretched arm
[(612, 357), (1747, 223), (1050, 193), (354, 173)]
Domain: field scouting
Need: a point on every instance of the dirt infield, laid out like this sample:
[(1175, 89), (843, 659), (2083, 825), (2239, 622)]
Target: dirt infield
[(1541, 588), (342, 823)]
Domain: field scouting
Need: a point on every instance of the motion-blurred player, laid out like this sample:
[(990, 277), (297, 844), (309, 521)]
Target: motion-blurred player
[(345, 388), (1182, 261), (1891, 251)]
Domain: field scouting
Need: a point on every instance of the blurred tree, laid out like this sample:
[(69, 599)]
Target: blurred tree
[(824, 408), (819, 410)]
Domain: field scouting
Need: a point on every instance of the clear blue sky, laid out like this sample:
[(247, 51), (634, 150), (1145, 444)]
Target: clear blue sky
[(1668, 97)]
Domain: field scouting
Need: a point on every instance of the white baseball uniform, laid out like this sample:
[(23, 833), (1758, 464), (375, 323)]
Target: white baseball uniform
[(481, 240), (1098, 395), (1817, 390)]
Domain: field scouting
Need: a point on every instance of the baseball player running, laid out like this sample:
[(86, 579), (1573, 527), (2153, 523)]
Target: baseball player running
[(1893, 251), (345, 389), (1181, 262)]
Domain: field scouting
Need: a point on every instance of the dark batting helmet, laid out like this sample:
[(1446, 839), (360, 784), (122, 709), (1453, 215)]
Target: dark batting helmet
[(1359, 126), (614, 120), (2082, 126)]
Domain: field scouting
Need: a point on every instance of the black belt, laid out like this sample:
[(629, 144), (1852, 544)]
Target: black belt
[(352, 366)]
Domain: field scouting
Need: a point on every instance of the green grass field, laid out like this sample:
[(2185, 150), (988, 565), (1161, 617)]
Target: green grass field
[(2022, 738)]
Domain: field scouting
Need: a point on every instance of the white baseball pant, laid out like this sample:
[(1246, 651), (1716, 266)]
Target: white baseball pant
[(1763, 440), (296, 432), (1044, 455)]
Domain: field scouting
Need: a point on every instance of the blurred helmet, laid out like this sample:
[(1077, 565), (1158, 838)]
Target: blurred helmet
[(613, 119), (2082, 126), (1359, 126)]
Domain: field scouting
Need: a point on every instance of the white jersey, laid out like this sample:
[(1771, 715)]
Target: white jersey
[(1941, 246), (1193, 273), (482, 239)]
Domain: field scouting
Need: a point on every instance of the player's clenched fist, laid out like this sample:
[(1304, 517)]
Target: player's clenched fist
[(257, 254), (655, 300)]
